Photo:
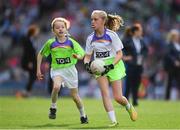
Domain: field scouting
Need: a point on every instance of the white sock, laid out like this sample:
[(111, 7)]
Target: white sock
[(82, 112), (112, 116), (53, 105), (128, 106)]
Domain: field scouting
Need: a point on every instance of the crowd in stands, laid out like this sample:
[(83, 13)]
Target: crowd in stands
[(158, 18)]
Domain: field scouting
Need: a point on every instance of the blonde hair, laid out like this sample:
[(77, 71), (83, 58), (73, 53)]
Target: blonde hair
[(172, 34), (112, 22), (66, 22)]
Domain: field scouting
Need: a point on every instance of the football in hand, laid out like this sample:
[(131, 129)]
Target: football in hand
[(97, 66)]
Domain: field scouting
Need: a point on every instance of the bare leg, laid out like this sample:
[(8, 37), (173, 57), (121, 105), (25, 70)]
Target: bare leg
[(78, 101), (104, 87), (117, 93), (56, 88), (79, 104), (54, 96)]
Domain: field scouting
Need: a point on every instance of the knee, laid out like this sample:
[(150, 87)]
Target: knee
[(119, 99), (56, 88)]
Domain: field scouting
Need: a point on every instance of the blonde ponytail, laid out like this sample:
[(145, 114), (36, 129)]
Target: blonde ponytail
[(114, 22)]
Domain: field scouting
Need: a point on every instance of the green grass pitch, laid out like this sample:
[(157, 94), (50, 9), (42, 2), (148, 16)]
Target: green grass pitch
[(32, 113)]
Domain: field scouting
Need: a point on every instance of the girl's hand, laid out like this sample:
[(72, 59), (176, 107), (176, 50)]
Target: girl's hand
[(76, 56), (39, 76), (88, 68), (107, 69)]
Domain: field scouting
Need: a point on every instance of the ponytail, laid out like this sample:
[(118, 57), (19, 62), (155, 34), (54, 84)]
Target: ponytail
[(114, 22)]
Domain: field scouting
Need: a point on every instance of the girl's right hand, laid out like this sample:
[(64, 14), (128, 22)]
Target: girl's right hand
[(88, 68), (39, 76)]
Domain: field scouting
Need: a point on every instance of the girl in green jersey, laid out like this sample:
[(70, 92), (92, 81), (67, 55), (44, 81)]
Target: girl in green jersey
[(64, 52)]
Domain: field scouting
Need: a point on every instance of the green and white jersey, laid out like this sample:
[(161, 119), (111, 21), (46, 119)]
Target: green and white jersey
[(61, 53), (105, 48)]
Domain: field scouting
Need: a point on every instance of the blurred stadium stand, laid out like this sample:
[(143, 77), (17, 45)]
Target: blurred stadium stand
[(158, 17)]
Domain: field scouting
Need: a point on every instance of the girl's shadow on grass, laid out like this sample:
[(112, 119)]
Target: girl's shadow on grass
[(68, 126), (99, 127), (48, 125)]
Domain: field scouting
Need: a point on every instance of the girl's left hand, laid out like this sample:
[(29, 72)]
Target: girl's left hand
[(76, 56), (107, 69)]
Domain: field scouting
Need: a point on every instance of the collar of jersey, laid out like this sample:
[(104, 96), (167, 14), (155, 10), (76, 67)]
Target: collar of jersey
[(61, 42), (102, 35)]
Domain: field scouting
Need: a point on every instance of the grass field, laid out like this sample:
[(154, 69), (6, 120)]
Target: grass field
[(32, 113)]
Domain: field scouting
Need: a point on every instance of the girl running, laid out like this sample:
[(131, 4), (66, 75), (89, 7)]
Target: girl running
[(105, 44), (64, 52)]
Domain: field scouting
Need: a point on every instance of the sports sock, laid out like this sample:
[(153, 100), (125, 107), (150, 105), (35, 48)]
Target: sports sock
[(53, 105), (82, 112), (112, 116), (128, 106)]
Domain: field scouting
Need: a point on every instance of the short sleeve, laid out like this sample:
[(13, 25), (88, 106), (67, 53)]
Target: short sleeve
[(116, 42), (77, 48), (45, 50), (88, 49)]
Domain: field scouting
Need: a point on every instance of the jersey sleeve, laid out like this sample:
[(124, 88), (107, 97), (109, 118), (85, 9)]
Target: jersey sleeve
[(45, 50), (77, 48), (88, 49), (116, 42)]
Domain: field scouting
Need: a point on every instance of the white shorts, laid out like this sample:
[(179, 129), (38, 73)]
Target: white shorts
[(69, 76)]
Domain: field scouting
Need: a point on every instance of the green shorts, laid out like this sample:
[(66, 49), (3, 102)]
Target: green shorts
[(117, 73)]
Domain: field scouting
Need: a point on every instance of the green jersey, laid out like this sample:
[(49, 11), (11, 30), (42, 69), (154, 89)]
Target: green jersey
[(61, 53)]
